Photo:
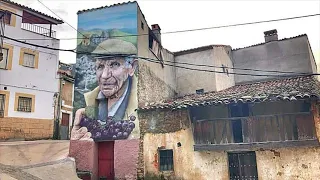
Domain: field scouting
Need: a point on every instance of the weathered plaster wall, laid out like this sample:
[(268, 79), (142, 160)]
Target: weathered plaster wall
[(126, 158), (164, 129), (286, 55), (188, 164), (289, 164), (189, 81), (315, 108), (154, 81), (222, 57), (85, 154)]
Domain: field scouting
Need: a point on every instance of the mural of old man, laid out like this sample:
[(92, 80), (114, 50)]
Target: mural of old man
[(109, 112)]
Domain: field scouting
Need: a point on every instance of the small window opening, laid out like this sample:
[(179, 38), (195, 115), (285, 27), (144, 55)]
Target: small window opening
[(166, 160)]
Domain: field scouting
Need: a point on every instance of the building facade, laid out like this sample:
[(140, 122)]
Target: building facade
[(28, 74), (200, 115), (65, 106)]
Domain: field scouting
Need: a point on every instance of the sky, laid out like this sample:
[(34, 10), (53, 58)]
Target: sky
[(182, 15)]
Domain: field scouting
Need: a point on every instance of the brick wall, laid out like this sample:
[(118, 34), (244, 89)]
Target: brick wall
[(159, 121), (25, 128)]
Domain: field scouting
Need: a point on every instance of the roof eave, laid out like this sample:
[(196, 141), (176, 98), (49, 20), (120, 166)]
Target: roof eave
[(49, 19)]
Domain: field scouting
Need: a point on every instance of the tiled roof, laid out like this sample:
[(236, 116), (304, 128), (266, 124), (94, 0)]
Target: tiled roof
[(290, 89), (197, 49), (33, 10), (265, 42), (102, 7)]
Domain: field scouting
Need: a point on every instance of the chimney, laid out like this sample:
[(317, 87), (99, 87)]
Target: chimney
[(157, 31), (271, 35)]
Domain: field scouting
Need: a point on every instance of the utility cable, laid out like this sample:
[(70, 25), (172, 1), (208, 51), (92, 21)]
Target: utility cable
[(67, 23), (157, 61), (180, 31)]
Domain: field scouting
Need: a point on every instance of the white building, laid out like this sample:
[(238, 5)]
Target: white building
[(28, 74)]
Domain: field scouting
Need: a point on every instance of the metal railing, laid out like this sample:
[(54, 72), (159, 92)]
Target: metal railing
[(38, 29), (254, 129)]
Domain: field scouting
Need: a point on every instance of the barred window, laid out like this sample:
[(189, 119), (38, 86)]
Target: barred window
[(2, 104), (166, 160), (28, 60), (24, 104), (3, 63)]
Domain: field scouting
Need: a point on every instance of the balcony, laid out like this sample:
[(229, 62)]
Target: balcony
[(39, 30), (255, 132)]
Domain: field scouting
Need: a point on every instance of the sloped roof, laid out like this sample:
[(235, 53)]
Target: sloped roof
[(289, 89), (198, 49), (103, 7), (268, 42), (58, 21)]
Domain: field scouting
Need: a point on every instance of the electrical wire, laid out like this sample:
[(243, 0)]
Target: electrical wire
[(157, 61), (67, 23), (179, 31)]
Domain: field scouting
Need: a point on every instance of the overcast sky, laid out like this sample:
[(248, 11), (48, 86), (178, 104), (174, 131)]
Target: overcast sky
[(181, 15)]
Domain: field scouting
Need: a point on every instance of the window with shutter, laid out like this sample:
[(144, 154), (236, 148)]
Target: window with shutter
[(28, 60)]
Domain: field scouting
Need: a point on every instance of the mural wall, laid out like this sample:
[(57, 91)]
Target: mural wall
[(106, 80)]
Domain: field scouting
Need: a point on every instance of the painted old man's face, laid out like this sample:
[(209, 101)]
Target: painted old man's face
[(112, 74)]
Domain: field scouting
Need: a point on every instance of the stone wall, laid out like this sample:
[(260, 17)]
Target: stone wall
[(25, 128), (158, 122)]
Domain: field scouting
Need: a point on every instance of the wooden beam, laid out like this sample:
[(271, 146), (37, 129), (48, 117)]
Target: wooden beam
[(256, 146)]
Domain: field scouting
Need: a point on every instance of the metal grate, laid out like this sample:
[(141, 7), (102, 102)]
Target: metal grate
[(24, 104), (166, 160), (2, 104), (243, 166)]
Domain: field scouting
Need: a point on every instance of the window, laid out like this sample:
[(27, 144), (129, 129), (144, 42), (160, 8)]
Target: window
[(7, 18), (29, 60), (166, 160), (24, 104), (2, 104), (242, 166), (4, 62), (142, 25)]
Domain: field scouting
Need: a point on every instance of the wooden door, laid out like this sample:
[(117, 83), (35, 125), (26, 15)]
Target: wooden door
[(64, 127), (106, 160)]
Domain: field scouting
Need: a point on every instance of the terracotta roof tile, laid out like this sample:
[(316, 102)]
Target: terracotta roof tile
[(280, 89)]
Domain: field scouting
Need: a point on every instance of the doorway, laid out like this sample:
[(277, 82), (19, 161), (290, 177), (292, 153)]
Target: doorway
[(106, 160)]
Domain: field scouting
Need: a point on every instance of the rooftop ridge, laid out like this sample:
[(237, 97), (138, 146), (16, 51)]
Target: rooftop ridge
[(268, 42), (103, 7)]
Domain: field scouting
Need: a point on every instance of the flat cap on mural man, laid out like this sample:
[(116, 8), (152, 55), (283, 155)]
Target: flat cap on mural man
[(115, 95)]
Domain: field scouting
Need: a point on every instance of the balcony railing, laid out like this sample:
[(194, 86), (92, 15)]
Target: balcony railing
[(255, 129), (38, 29)]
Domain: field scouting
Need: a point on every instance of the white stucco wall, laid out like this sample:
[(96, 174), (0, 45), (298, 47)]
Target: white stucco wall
[(41, 82)]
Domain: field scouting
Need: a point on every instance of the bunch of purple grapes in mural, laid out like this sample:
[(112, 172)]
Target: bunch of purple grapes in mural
[(111, 129)]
